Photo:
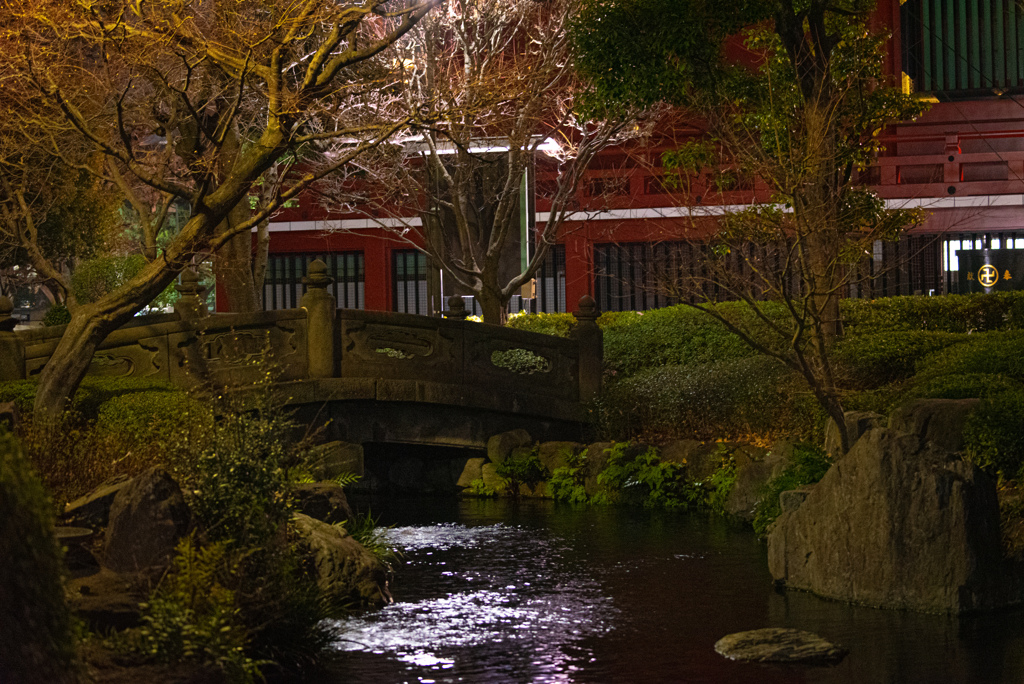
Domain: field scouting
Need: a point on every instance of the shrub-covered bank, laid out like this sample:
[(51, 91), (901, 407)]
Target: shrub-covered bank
[(205, 531), (676, 373), (730, 479)]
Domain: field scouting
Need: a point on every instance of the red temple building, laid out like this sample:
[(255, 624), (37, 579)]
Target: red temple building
[(962, 161)]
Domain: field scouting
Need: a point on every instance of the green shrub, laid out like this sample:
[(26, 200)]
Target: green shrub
[(877, 359), (808, 465), (567, 482), (948, 313), (994, 353), (522, 467), (193, 617), (994, 435), (702, 401), (964, 386), (35, 629), (636, 474), (97, 277), (240, 479), (719, 484), (672, 336), (557, 324), (57, 314)]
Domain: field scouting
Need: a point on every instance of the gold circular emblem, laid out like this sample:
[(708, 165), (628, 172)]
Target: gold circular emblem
[(988, 275)]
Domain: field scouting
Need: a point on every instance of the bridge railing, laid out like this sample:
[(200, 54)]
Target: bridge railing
[(363, 354)]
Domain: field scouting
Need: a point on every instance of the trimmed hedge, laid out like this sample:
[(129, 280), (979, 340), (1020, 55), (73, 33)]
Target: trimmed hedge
[(994, 435), (705, 401), (873, 360), (948, 313)]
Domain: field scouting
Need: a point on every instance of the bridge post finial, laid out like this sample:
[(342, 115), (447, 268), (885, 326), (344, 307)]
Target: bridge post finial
[(190, 304), (456, 308), (320, 308), (591, 342)]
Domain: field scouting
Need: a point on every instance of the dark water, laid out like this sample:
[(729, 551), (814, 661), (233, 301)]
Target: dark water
[(492, 592)]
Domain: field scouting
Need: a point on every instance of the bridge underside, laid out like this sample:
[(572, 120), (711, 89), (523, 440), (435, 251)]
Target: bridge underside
[(402, 412)]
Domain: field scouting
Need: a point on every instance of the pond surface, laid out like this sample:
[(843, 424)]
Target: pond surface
[(490, 591)]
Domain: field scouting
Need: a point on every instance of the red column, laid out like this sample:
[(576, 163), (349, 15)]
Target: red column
[(579, 269), (378, 272)]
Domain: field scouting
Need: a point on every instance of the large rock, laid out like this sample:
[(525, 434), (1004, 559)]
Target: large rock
[(857, 423), (895, 524), (343, 569), (471, 472), (93, 509), (700, 458), (324, 501), (780, 645), (500, 446), (107, 600), (555, 454), (754, 467), (492, 481), (597, 459), (939, 421), (147, 518)]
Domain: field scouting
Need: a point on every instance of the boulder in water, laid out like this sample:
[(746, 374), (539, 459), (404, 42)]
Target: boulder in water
[(778, 645)]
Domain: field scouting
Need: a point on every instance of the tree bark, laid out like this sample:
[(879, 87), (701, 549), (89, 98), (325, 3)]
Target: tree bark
[(494, 309)]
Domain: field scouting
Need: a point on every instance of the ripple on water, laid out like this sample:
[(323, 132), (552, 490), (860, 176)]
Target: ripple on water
[(528, 610)]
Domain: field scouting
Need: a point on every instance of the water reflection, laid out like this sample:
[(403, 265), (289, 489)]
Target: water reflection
[(505, 603), (537, 593)]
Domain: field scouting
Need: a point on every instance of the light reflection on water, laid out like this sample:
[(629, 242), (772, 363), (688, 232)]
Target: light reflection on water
[(524, 612), (490, 593)]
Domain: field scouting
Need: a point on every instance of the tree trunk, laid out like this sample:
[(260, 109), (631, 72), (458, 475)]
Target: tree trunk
[(232, 266), (495, 311)]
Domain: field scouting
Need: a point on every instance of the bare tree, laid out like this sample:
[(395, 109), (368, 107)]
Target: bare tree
[(494, 81), (193, 100)]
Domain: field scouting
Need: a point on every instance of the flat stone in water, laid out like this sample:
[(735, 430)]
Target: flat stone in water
[(779, 645)]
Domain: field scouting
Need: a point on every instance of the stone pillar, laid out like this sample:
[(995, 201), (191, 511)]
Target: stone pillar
[(190, 304), (12, 350), (591, 341), (456, 308), (319, 306)]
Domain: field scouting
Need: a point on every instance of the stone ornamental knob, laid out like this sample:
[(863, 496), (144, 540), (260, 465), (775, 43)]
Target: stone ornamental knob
[(587, 309), (317, 276), (456, 308)]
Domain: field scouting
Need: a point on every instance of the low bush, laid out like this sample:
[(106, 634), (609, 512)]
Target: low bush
[(701, 401), (963, 386), (994, 353), (636, 474), (876, 359), (567, 483), (948, 313), (522, 467), (114, 426), (994, 435), (808, 465), (57, 314), (193, 616)]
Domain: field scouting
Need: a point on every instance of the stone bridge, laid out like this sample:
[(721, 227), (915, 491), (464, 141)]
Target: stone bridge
[(376, 376)]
